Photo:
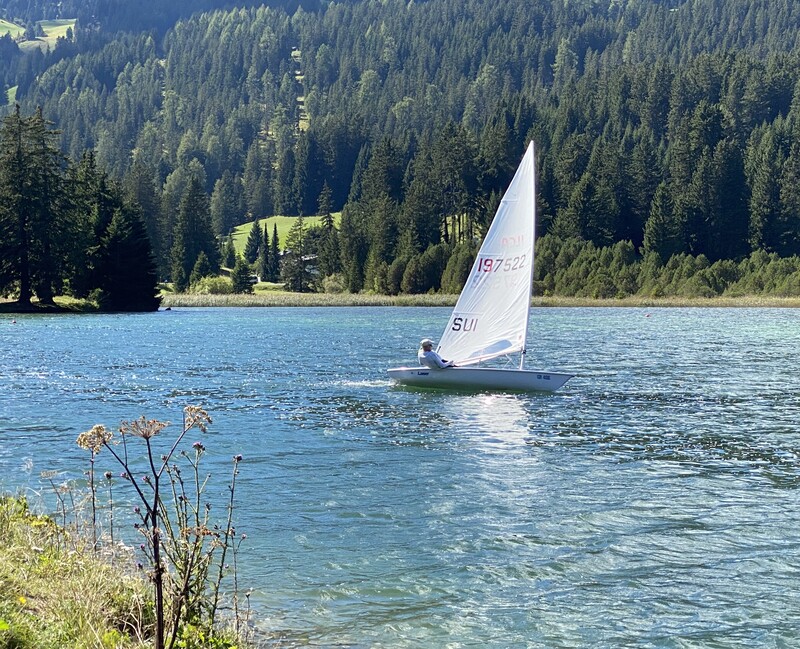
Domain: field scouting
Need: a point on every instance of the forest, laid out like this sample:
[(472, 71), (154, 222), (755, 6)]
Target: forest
[(667, 133)]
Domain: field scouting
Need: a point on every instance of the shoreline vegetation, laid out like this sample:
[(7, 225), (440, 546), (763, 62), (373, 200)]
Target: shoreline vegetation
[(273, 298), (56, 589), (285, 299), (74, 578)]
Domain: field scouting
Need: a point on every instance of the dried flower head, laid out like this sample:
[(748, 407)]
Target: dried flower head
[(199, 447), (95, 438), (144, 428), (196, 417)]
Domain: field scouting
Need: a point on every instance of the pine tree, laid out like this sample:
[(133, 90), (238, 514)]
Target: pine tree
[(201, 269), (193, 235), (274, 255), (253, 243), (129, 282), (32, 210), (262, 263), (240, 276), (294, 270), (229, 254), (223, 205), (661, 232), (328, 253)]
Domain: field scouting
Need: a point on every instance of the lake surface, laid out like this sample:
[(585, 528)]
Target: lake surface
[(652, 502)]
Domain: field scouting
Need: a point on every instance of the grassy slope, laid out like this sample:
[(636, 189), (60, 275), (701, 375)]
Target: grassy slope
[(10, 28), (53, 30), (56, 594), (241, 232)]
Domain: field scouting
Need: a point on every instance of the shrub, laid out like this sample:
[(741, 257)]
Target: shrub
[(212, 286), (334, 284)]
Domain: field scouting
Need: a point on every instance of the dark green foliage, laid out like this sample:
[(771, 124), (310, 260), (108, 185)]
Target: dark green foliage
[(662, 232), (241, 276), (416, 136), (262, 263), (295, 270), (229, 253), (202, 268), (274, 266), (128, 281), (253, 243), (225, 210), (34, 226), (327, 250), (458, 267), (193, 235), (68, 231), (423, 273)]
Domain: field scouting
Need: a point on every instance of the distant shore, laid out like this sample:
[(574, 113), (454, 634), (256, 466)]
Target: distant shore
[(279, 298), (286, 299)]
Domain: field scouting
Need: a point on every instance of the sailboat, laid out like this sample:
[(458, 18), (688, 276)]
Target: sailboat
[(490, 319)]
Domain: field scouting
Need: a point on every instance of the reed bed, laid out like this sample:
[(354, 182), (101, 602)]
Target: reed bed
[(281, 298), (286, 299), (744, 301)]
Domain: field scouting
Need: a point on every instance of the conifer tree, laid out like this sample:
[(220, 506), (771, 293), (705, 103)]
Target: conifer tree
[(661, 232), (32, 212), (294, 270), (201, 269), (129, 281), (274, 255), (262, 263), (193, 235), (328, 253), (240, 276), (223, 205), (229, 254), (254, 240)]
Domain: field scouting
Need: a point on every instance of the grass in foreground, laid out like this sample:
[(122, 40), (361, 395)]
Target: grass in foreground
[(56, 593)]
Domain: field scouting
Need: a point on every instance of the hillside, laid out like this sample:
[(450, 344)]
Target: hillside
[(672, 125)]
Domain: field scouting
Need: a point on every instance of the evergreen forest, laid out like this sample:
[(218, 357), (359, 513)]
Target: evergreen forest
[(667, 132)]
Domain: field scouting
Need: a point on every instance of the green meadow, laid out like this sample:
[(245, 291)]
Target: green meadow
[(10, 28), (53, 30), (284, 223)]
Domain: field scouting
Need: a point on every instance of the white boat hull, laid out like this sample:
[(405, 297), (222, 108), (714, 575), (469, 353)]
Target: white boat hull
[(480, 378)]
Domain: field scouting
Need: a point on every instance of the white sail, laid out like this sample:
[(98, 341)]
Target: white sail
[(490, 318)]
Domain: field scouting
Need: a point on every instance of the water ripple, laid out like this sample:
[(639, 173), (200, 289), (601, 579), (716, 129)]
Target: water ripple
[(651, 503)]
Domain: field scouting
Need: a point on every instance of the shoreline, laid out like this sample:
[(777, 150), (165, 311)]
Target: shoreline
[(281, 299), (286, 299)]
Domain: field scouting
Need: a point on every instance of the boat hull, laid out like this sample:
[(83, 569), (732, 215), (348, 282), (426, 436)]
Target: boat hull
[(480, 378)]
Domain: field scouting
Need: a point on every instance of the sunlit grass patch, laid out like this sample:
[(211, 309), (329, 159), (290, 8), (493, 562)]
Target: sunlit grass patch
[(56, 596), (284, 223), (10, 28)]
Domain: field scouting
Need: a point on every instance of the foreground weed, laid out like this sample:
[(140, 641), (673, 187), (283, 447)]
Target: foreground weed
[(181, 544)]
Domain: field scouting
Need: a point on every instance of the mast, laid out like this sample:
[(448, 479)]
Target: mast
[(532, 151)]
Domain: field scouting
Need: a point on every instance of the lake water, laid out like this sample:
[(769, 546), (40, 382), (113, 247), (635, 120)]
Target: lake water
[(652, 502)]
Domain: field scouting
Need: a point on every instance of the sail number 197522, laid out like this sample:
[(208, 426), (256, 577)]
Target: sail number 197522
[(498, 264)]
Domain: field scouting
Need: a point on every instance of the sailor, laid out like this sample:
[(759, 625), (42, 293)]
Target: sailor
[(430, 358)]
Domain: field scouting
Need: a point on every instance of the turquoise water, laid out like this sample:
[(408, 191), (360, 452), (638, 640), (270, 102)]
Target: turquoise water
[(652, 502)]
